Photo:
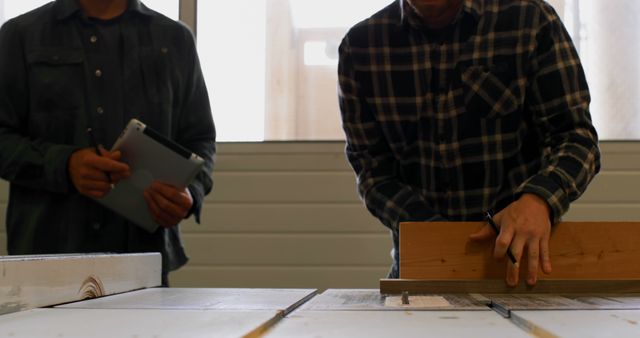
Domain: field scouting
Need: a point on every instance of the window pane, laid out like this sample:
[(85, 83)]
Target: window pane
[(170, 8), (274, 77), (13, 8), (232, 50), (272, 73), (606, 35)]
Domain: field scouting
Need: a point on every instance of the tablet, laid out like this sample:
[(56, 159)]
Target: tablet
[(150, 156)]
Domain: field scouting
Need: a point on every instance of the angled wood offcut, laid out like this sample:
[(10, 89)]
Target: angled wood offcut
[(28, 282), (579, 251)]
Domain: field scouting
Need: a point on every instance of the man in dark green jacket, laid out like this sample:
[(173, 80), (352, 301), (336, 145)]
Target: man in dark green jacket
[(72, 65)]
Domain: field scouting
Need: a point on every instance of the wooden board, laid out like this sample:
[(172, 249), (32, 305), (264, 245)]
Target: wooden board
[(28, 282), (579, 250), (407, 324), (579, 323), (201, 299), (108, 323), (416, 286), (373, 300)]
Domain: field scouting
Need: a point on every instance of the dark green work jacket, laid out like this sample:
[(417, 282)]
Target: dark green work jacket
[(50, 93)]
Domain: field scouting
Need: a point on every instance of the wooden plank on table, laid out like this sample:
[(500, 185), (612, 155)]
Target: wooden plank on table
[(373, 300), (497, 286), (108, 323), (28, 282), (579, 250)]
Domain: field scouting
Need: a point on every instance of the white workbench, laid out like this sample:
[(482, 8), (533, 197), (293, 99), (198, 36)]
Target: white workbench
[(160, 312), (366, 313)]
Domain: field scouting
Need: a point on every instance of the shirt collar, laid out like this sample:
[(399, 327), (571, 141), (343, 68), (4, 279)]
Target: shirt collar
[(409, 16), (67, 8)]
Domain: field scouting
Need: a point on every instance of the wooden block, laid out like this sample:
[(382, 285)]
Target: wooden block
[(575, 286), (28, 282), (579, 250)]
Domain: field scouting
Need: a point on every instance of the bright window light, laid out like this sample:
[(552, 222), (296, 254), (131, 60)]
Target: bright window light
[(333, 13), (317, 54), (232, 50), (170, 8), (13, 8)]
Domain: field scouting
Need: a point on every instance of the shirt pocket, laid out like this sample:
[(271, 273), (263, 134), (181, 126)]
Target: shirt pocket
[(56, 78), (487, 93), (57, 93)]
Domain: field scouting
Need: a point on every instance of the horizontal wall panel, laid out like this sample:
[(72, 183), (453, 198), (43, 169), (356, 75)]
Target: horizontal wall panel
[(616, 155), (291, 250), (613, 187), (249, 148), (603, 212), (284, 187), (620, 155), (4, 191), (282, 162), (278, 218), (279, 277), (621, 161), (608, 186), (287, 214)]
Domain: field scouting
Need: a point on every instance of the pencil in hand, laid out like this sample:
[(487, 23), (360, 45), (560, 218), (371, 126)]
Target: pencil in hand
[(489, 218), (94, 144)]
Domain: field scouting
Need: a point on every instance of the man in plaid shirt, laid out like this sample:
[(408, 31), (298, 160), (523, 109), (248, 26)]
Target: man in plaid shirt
[(452, 108)]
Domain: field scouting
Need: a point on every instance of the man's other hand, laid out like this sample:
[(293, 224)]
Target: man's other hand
[(94, 175), (524, 225), (168, 204)]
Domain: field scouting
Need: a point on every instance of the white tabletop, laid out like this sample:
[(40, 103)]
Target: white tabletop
[(150, 323), (581, 323), (566, 302), (371, 300), (373, 324), (200, 298)]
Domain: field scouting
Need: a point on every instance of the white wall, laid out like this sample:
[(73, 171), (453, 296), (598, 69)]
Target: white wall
[(287, 215)]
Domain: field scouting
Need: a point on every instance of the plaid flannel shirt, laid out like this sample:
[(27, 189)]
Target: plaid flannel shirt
[(447, 124)]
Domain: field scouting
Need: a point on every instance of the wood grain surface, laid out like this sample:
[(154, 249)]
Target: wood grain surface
[(579, 251)]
